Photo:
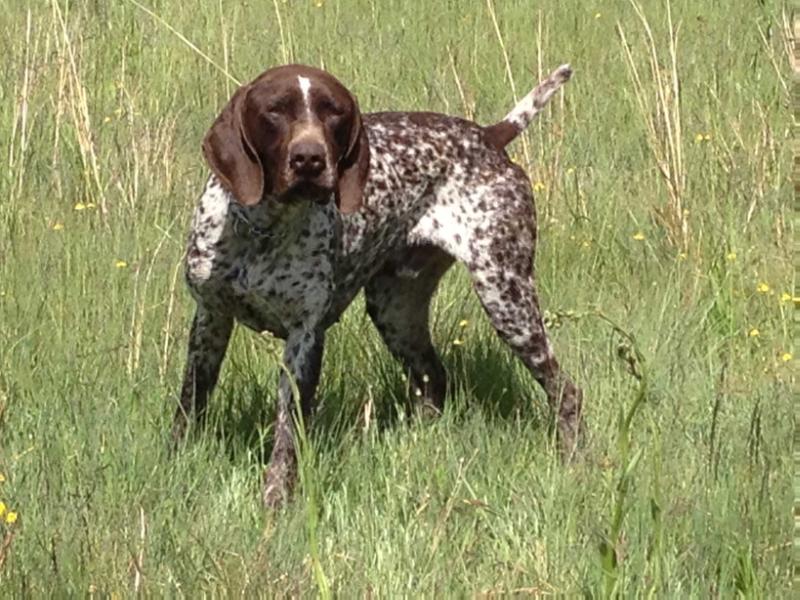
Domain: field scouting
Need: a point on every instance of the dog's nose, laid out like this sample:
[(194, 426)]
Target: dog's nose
[(307, 158)]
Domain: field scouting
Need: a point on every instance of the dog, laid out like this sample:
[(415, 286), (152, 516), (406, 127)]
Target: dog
[(309, 201)]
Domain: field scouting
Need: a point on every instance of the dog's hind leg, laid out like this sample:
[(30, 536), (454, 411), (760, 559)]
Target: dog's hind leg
[(398, 300), (494, 235)]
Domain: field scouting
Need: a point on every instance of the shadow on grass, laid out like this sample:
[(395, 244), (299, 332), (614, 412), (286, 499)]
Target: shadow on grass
[(486, 378)]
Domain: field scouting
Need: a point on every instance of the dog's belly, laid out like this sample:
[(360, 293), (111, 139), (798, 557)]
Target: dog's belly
[(368, 244)]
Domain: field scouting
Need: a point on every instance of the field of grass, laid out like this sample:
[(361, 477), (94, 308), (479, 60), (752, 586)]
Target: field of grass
[(663, 179)]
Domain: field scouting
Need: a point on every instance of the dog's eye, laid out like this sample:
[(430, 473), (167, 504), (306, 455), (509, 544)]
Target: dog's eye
[(277, 108), (327, 107)]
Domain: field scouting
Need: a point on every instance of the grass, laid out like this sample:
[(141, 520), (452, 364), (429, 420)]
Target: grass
[(663, 184)]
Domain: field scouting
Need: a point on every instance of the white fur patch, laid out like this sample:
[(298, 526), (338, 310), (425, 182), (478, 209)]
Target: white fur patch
[(208, 224), (305, 87), (524, 112)]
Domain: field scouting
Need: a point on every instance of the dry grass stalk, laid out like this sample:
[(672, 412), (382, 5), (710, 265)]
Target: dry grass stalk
[(469, 106), (286, 45), (167, 329), (78, 106), (658, 101), (490, 5), (185, 40), (20, 120)]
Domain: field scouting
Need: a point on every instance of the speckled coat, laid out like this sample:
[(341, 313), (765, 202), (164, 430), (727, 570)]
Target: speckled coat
[(439, 189)]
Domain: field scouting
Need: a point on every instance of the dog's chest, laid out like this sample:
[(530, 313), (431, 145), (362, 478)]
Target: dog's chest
[(271, 274)]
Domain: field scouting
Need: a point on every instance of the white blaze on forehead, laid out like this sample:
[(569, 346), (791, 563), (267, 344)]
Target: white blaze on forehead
[(305, 86)]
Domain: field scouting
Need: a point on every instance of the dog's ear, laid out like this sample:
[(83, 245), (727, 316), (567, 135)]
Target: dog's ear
[(353, 167), (231, 155)]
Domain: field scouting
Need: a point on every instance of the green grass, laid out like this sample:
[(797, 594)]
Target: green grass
[(684, 489)]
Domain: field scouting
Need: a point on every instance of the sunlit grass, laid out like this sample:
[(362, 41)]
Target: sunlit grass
[(664, 266)]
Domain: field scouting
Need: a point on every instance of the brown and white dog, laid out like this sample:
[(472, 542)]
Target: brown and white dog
[(309, 201)]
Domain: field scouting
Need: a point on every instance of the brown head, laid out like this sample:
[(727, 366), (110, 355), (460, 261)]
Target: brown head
[(294, 132)]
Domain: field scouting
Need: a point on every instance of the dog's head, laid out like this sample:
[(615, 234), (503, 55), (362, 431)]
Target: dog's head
[(295, 132)]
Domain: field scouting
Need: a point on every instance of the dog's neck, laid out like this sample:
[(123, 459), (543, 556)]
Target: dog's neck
[(275, 218)]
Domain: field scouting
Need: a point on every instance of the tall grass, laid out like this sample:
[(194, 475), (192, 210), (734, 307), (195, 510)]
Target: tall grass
[(663, 178)]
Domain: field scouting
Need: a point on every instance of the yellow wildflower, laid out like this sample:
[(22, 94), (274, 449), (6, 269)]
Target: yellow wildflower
[(2, 508), (586, 243), (570, 170), (786, 297), (731, 256), (463, 323), (79, 206), (2, 478), (682, 256), (754, 332), (762, 288), (457, 342), (58, 226), (120, 264), (539, 186), (11, 517), (786, 356), (638, 236), (597, 15)]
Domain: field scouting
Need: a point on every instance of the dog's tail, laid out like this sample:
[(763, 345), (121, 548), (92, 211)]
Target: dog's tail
[(501, 134)]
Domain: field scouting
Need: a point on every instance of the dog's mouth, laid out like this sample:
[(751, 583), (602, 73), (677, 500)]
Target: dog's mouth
[(303, 189)]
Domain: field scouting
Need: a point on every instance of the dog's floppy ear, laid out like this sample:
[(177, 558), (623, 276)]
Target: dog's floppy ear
[(230, 154), (353, 167)]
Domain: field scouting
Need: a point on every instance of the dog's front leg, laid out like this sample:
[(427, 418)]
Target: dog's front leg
[(208, 341), (302, 358)]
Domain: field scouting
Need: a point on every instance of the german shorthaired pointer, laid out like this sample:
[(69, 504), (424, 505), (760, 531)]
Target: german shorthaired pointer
[(309, 201)]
